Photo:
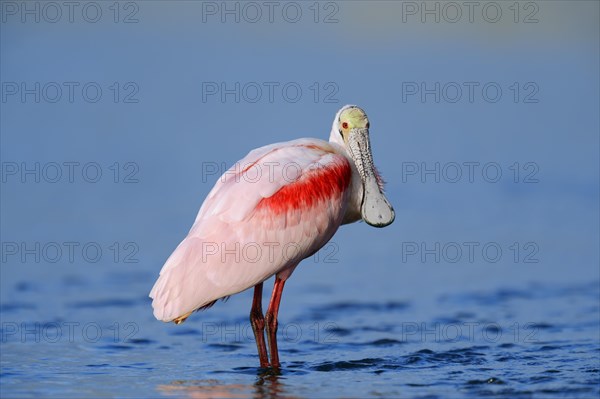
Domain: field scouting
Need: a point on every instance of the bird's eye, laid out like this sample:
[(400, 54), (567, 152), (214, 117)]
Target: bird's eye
[(345, 125), (368, 124)]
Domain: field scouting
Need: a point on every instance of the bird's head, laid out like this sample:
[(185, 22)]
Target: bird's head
[(351, 131)]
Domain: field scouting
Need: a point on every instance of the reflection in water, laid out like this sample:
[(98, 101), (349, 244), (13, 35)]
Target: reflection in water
[(267, 386)]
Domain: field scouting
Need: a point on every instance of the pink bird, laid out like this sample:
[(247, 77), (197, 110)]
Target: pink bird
[(274, 208)]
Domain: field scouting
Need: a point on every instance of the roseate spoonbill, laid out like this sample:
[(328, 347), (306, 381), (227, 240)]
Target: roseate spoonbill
[(274, 208)]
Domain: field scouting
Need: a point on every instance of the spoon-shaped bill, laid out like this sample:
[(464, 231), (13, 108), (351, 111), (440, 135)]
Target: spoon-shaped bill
[(376, 209)]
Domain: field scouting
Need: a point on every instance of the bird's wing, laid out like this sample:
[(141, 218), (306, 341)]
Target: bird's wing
[(278, 205)]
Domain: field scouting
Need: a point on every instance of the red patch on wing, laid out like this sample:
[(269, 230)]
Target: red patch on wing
[(321, 184)]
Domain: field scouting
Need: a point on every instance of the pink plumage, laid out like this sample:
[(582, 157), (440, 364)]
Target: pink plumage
[(274, 208), (285, 204)]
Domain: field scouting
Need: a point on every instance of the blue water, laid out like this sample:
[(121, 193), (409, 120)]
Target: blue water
[(539, 340), (487, 283)]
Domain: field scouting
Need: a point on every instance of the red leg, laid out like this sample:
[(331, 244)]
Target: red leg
[(258, 325), (271, 321)]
